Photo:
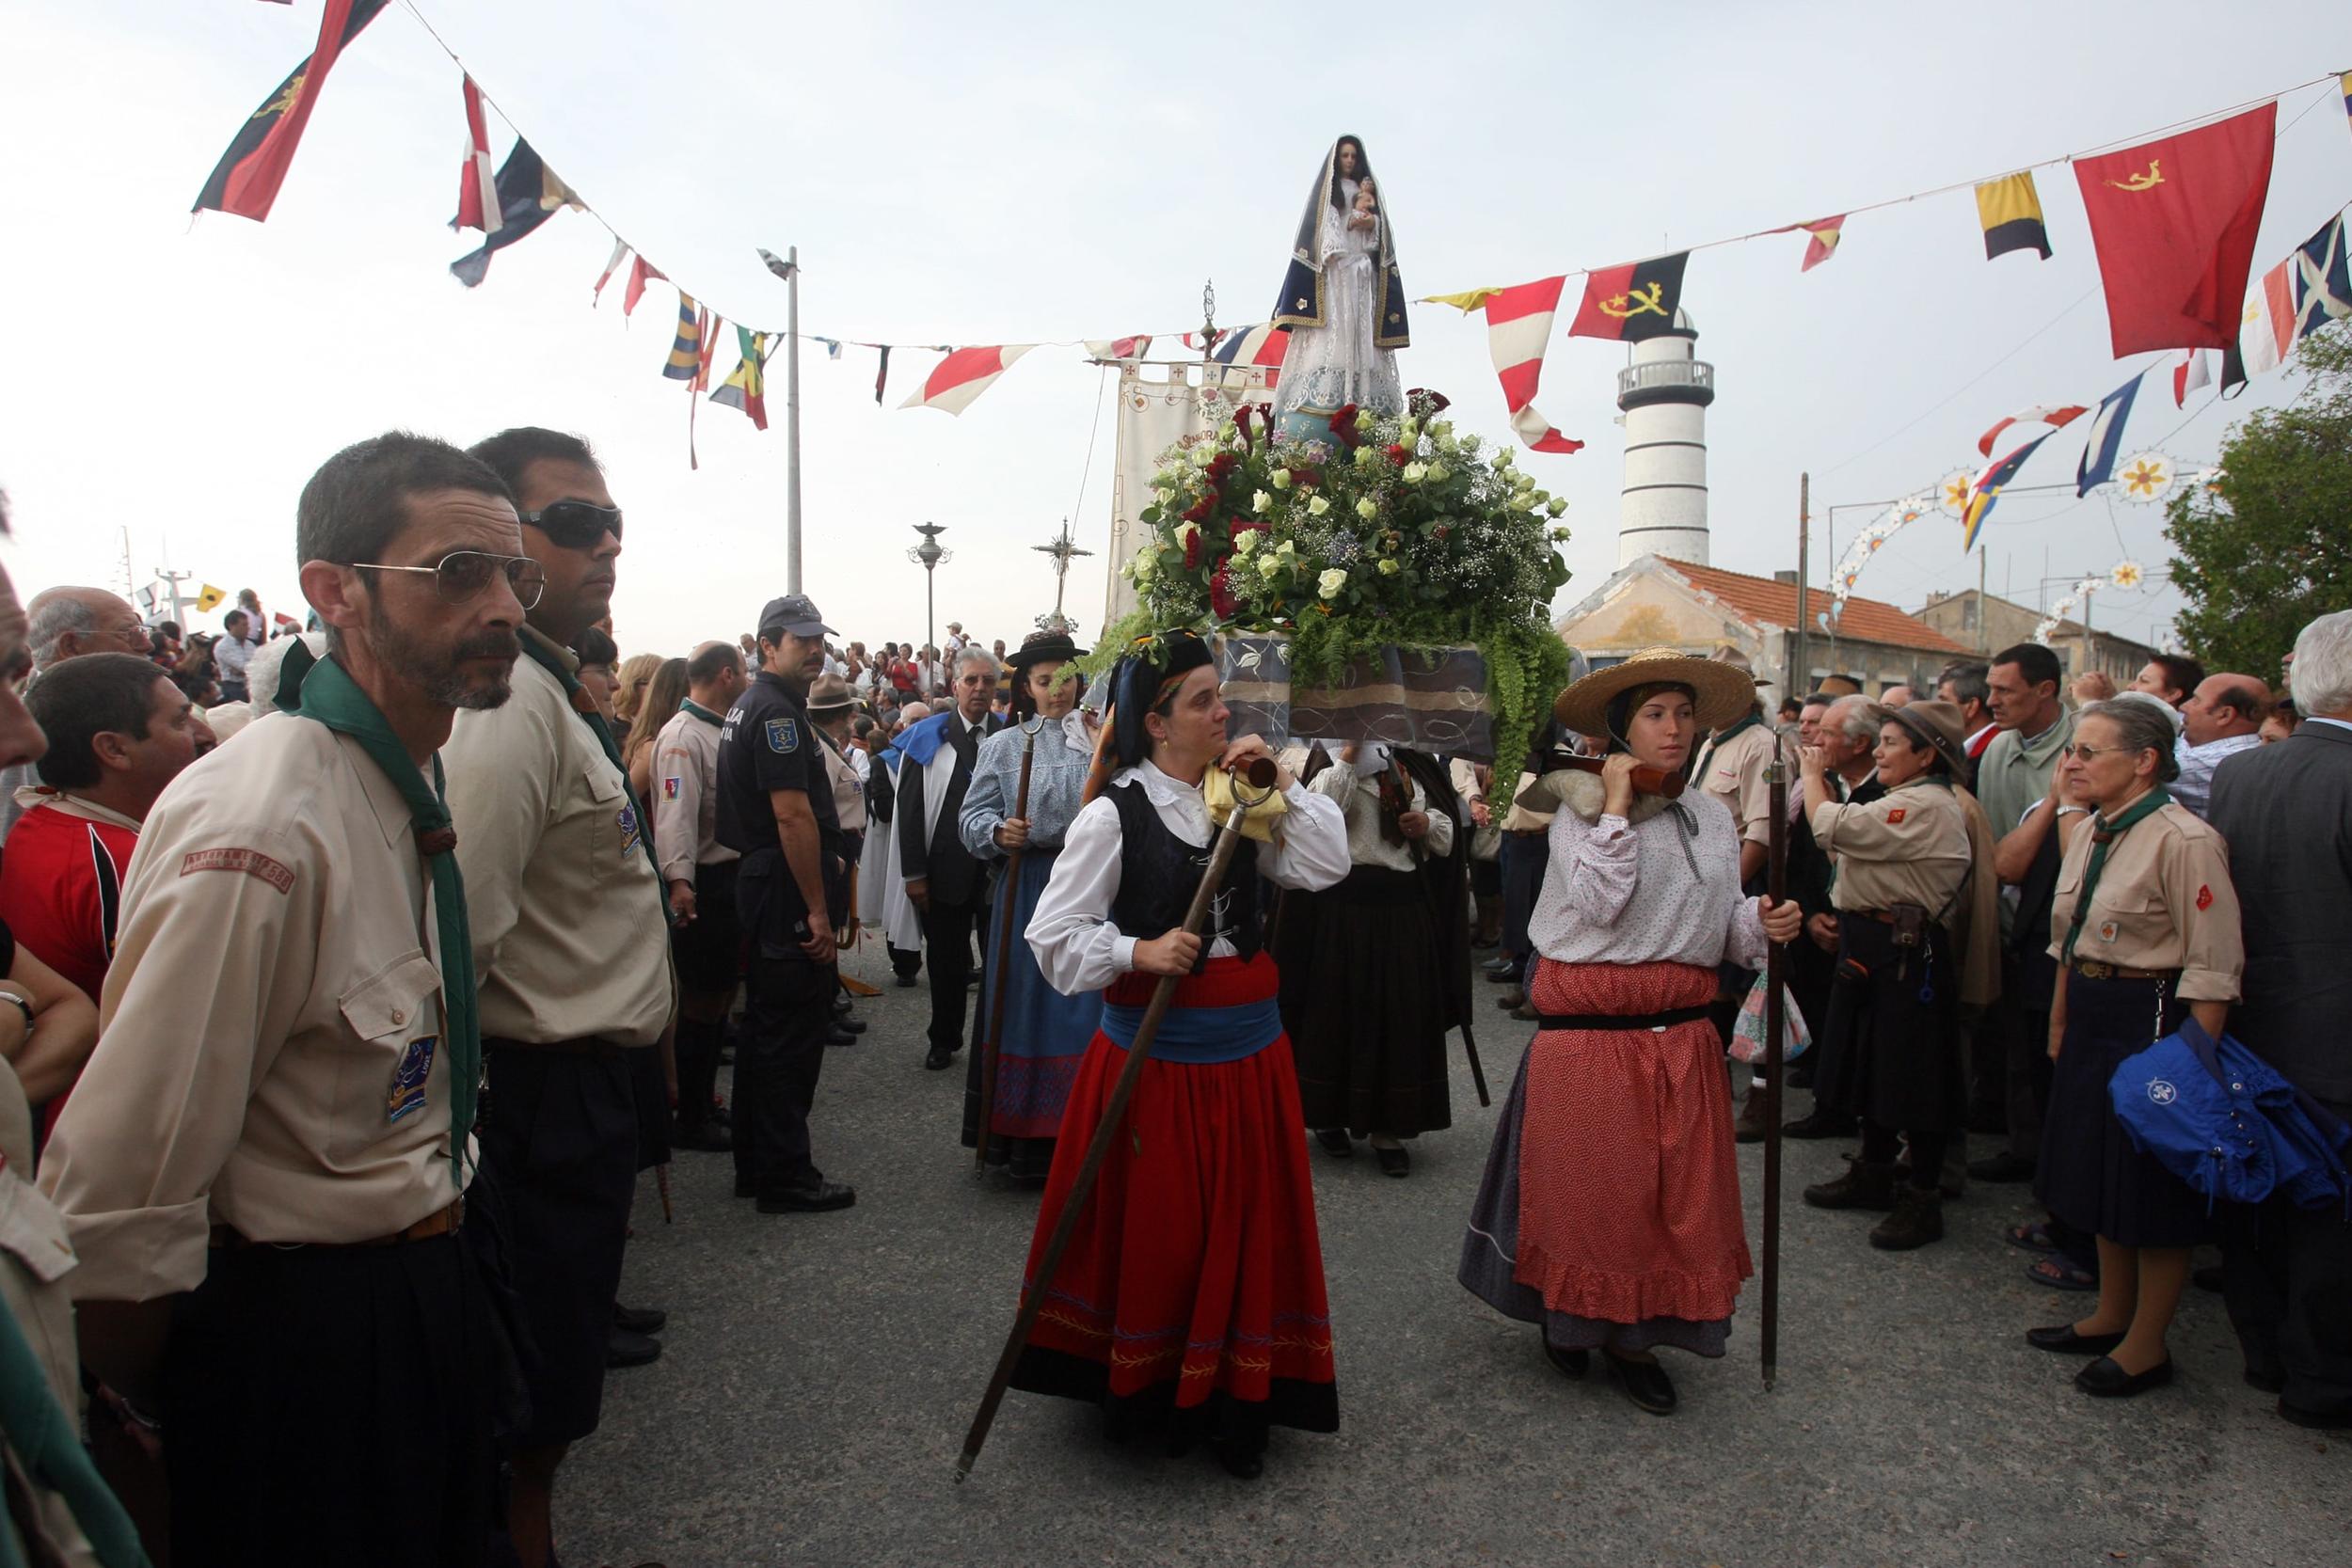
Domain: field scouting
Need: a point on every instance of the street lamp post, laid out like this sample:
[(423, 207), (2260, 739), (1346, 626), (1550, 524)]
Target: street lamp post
[(928, 555)]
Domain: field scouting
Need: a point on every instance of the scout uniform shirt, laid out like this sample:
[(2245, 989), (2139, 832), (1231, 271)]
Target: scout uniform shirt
[(570, 923), (686, 794), (1910, 846), (1731, 769), (269, 1050), (2164, 901)]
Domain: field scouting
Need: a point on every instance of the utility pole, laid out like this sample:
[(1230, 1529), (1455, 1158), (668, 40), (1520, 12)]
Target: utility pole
[(792, 422), (1984, 624), (1799, 679)]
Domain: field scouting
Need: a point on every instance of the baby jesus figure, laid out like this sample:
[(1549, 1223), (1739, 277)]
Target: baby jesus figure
[(1367, 209)]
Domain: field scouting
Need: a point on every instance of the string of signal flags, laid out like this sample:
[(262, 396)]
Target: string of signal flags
[(2174, 215)]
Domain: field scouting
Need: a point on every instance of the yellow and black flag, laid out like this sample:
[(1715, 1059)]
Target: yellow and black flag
[(246, 180), (207, 598), (2012, 215)]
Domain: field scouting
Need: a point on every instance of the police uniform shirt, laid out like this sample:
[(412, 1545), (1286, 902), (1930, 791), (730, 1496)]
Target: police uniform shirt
[(767, 745), (1909, 845), (1732, 770), (570, 923), (269, 1056), (686, 794), (2164, 901)]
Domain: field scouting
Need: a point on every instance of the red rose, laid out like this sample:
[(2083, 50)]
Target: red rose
[(1344, 427), (1306, 476), (1398, 455), (1221, 598)]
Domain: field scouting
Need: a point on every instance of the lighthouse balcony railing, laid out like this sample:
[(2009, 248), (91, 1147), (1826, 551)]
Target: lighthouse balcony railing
[(1666, 373)]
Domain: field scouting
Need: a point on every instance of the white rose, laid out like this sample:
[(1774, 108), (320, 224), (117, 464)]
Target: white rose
[(1280, 479), (1270, 566), (1559, 504), (1443, 430), (1226, 432), (1246, 541), (1367, 509), (1503, 455), (1317, 506), (1331, 582), (1472, 443), (1521, 501), (1559, 535), (1202, 455), (1389, 568), (1260, 501), (1367, 456), (1285, 549), (1164, 493), (1522, 481), (1406, 431), (1440, 473), (1415, 472)]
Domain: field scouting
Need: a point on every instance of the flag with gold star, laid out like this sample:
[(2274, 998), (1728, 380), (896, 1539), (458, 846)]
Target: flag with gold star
[(246, 180), (1632, 302)]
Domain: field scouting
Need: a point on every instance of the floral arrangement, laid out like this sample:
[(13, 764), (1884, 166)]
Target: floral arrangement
[(1397, 531)]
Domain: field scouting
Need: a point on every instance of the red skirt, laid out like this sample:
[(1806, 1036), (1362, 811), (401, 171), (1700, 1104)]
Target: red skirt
[(1611, 1208), (1195, 1279)]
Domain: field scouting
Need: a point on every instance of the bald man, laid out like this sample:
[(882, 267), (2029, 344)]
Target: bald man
[(699, 874), (2222, 717), (66, 622)]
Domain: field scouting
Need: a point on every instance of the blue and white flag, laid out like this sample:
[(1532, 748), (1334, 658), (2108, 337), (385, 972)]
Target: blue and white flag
[(2322, 287), (2105, 446)]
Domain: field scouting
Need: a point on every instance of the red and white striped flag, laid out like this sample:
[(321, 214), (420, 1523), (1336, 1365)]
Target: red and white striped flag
[(1120, 348), (2189, 374), (965, 374), (2037, 415), (1518, 327), (611, 265), (478, 205)]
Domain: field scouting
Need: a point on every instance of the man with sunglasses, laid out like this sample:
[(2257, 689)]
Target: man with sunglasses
[(262, 1167), (571, 937)]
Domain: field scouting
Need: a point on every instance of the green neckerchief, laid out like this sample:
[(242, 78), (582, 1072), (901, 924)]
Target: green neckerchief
[(322, 690), (550, 658), (2103, 833), (689, 705), (49, 1446)]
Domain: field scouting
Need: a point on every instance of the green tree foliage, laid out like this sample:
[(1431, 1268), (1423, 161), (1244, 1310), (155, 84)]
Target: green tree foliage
[(2270, 546)]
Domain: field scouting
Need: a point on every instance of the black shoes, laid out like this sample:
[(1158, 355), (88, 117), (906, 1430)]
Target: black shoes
[(2315, 1421), (1502, 972), (639, 1320), (2001, 1169), (937, 1060), (1820, 1124), (906, 982), (1567, 1363), (841, 1036), (2060, 1338), (1646, 1384), (2103, 1379), (1917, 1219), (814, 1199), (1240, 1460), (706, 1137), (625, 1349), (1393, 1161), (1335, 1141), (850, 1025), (1865, 1185)]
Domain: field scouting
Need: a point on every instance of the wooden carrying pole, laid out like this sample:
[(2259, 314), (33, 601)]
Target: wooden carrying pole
[(1261, 773), (1775, 1022), (996, 976)]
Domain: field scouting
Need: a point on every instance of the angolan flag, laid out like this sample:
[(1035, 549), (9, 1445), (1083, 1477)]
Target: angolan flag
[(1633, 302), (246, 180)]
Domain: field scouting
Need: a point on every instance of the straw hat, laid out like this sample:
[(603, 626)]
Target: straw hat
[(1941, 726), (1725, 694)]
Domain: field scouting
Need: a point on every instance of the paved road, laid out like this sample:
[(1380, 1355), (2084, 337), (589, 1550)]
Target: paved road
[(820, 1370)]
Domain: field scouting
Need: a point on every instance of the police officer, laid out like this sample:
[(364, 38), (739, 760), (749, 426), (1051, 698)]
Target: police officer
[(700, 873), (263, 1164), (571, 937), (776, 808)]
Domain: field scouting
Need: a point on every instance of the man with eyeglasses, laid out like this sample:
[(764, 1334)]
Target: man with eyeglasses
[(571, 936), (264, 1166), (67, 622)]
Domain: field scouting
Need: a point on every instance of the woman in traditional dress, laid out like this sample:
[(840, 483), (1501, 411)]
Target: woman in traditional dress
[(2145, 931), (1610, 1212), (1044, 1033), (1915, 888), (1193, 1288), (1341, 298), (1372, 1057)]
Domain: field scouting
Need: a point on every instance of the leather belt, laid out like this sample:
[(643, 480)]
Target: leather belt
[(2092, 968), (1653, 1022), (589, 1046), (441, 1221), (1525, 832)]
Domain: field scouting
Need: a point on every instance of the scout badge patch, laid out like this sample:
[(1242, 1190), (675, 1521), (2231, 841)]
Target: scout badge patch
[(783, 735), (408, 1078)]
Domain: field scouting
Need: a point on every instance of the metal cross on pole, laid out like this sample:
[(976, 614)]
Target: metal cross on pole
[(1063, 550)]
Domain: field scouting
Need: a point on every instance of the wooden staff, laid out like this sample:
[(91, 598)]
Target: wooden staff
[(992, 1044), (1261, 772), (1776, 1022)]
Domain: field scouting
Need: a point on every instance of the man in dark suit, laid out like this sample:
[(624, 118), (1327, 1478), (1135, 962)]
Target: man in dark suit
[(2286, 811), (944, 882)]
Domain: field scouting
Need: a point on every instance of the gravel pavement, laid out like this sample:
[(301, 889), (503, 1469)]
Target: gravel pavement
[(820, 1372)]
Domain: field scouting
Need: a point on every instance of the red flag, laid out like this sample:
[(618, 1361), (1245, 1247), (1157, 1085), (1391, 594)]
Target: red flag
[(1632, 302), (477, 186), (1518, 327), (2173, 221), (1823, 233), (246, 180), (640, 273)]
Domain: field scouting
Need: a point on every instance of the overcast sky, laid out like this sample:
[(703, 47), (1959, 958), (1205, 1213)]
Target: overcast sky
[(960, 174)]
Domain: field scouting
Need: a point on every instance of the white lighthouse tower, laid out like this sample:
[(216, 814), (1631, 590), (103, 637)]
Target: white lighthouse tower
[(1665, 394)]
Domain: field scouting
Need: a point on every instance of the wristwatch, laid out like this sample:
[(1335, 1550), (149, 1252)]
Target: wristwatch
[(22, 1006)]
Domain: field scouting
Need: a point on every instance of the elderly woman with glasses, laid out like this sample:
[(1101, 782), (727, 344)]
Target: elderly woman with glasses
[(1917, 937), (2146, 928)]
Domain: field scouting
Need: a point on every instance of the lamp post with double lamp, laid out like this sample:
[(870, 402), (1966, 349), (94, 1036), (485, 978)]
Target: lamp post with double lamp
[(928, 555)]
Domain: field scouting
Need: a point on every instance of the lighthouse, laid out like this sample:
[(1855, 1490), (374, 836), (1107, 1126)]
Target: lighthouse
[(1665, 394)]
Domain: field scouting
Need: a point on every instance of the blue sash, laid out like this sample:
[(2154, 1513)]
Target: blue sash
[(1199, 1035)]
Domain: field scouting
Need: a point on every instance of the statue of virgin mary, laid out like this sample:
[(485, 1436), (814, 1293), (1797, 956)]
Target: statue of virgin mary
[(1342, 300)]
